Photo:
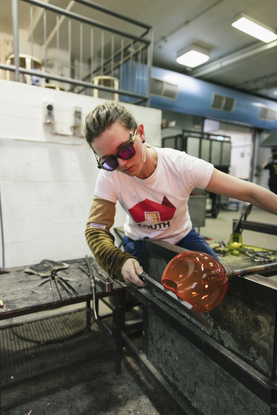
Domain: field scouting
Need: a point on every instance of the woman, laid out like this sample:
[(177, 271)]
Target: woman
[(153, 186)]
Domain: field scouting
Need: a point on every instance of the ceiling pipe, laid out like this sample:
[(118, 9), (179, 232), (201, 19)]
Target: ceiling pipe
[(220, 64), (195, 96)]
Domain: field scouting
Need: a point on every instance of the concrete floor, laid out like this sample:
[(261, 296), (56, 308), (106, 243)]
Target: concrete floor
[(220, 229), (87, 389), (94, 389)]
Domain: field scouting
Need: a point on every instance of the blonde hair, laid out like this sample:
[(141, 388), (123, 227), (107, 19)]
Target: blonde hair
[(103, 116)]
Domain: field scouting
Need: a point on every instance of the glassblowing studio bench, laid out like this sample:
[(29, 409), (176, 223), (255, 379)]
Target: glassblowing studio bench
[(228, 368), (28, 349)]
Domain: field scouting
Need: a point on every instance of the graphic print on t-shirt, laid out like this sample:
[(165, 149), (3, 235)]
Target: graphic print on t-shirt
[(154, 212)]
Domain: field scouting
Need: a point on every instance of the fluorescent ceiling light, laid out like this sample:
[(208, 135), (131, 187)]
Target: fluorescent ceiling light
[(252, 27), (193, 55)]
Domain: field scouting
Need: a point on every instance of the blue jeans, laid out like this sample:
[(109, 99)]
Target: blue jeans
[(192, 241)]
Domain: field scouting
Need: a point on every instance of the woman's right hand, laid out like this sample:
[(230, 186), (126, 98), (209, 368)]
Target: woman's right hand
[(131, 271)]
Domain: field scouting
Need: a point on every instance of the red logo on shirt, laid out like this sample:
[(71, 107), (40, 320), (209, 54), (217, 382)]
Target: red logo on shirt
[(150, 211)]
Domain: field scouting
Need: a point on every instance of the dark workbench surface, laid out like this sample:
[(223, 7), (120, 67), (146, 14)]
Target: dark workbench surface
[(56, 340), (18, 298), (243, 262)]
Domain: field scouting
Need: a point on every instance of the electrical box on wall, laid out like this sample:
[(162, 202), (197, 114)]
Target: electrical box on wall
[(77, 117), (63, 121), (48, 113)]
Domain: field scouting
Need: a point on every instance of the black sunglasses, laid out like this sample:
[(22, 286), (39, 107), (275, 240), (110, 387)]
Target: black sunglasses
[(126, 152)]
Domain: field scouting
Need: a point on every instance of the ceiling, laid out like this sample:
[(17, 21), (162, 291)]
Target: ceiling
[(237, 60)]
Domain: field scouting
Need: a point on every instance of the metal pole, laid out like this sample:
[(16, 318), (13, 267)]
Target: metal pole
[(32, 35), (73, 81), (81, 51), (130, 72), (84, 19), (53, 32), (256, 138), (112, 13), (15, 38), (91, 52), (112, 55), (2, 233), (44, 37), (149, 65), (102, 54), (121, 62), (139, 71), (69, 47), (58, 41)]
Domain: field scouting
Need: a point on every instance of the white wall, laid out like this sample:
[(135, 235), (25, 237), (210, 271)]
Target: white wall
[(241, 155), (47, 180), (242, 146)]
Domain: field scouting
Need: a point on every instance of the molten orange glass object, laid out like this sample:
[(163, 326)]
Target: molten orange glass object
[(197, 278)]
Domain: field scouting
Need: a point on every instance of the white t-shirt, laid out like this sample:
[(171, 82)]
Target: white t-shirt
[(157, 207)]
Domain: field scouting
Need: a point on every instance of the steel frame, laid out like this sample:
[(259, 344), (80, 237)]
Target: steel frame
[(255, 285), (147, 42)]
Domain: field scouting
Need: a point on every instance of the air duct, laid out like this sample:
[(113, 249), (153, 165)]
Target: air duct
[(163, 89), (184, 94), (201, 98), (267, 114), (220, 102)]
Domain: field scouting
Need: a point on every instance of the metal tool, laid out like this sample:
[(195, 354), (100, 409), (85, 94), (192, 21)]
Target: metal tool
[(219, 248), (173, 297), (39, 285), (64, 283), (251, 270), (104, 281), (92, 285), (52, 288), (53, 275), (235, 241), (245, 211), (259, 256)]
